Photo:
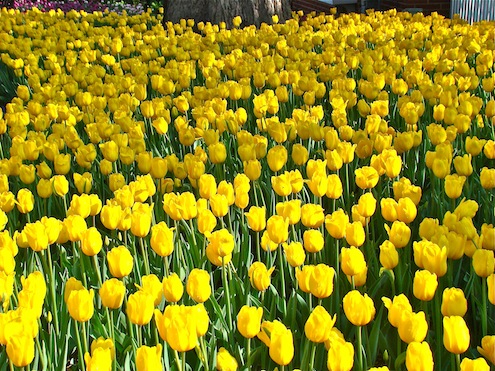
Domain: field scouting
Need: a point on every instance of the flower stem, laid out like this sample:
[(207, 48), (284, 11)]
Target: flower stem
[(484, 291), (79, 347), (145, 256), (360, 347), (227, 293), (313, 354)]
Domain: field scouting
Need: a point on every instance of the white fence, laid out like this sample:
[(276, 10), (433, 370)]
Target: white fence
[(473, 10)]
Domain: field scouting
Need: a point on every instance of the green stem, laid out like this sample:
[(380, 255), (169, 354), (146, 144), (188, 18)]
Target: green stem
[(457, 362), (438, 328), (484, 291), (282, 279), (145, 256), (79, 348), (227, 293), (177, 360), (360, 347), (313, 354), (97, 268), (52, 287), (205, 354), (183, 366), (248, 353)]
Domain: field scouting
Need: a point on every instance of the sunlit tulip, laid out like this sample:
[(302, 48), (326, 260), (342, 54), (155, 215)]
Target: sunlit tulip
[(249, 321), (487, 348), (80, 304), (319, 325), (281, 347), (419, 357), (483, 262), (112, 293), (412, 327), (456, 336), (256, 218), (454, 302), (260, 276), (389, 256), (340, 356), (424, 285), (198, 285), (20, 350), (352, 261), (149, 358), (358, 309), (120, 261), (225, 361), (478, 364)]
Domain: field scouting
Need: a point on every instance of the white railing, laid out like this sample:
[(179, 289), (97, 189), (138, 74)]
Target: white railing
[(473, 10)]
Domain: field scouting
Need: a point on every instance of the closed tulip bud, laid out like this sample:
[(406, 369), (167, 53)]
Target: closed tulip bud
[(321, 281), (281, 347), (217, 153), (334, 187), (277, 228), (112, 293), (206, 222), (424, 285), (433, 258), (366, 177), (367, 205), (249, 321), (483, 262), (141, 219), (454, 302), (487, 178), (162, 239), (140, 306), (354, 234), (299, 154), (340, 356), (419, 357), (207, 186), (397, 308), (260, 276), (252, 169), (100, 359), (80, 304), (20, 350), (294, 253), (336, 223), (256, 218), (478, 364), (319, 325), (277, 158), (456, 336), (453, 185), (120, 261), (463, 165), (399, 234), (105, 344), (91, 241), (313, 240), (225, 361), (25, 201), (406, 210), (352, 261), (412, 327), (173, 289), (389, 256), (149, 358), (198, 285), (358, 309)]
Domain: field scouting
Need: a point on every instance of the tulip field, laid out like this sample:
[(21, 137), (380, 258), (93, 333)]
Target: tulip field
[(310, 195)]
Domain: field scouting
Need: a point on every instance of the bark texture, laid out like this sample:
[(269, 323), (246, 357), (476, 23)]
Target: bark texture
[(216, 11)]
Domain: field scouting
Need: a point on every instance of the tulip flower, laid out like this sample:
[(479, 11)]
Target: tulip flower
[(319, 325), (198, 285), (456, 336), (419, 357), (358, 309), (249, 321), (149, 358)]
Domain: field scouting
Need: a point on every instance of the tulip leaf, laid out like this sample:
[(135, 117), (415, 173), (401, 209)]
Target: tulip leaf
[(373, 339), (401, 358)]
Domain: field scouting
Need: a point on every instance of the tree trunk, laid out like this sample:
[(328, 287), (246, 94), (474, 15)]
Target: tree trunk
[(216, 11)]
